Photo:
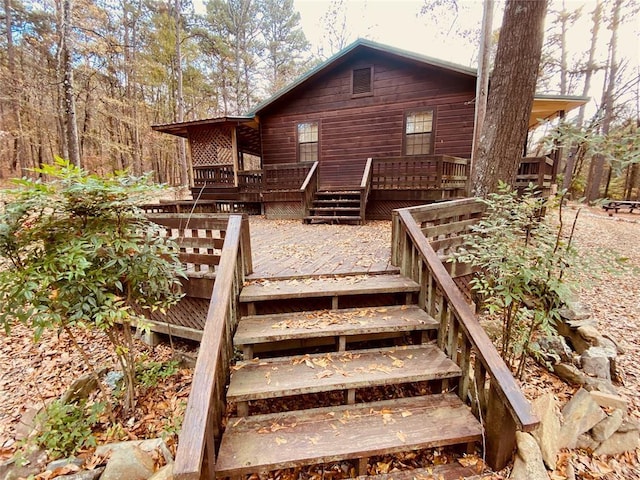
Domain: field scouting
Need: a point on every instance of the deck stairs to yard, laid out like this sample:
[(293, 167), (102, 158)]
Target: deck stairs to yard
[(340, 369), (335, 206)]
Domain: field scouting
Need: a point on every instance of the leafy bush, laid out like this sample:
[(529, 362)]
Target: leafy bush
[(149, 374), (521, 260), (79, 252), (65, 428)]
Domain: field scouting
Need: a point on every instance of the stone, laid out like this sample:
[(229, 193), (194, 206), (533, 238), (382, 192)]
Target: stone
[(148, 446), (570, 373), (607, 427), (575, 312), (63, 462), (619, 442), (35, 459), (165, 473), (605, 399), (27, 423), (554, 349), (528, 464), (586, 442), (595, 362), (600, 385), (548, 432), (132, 463), (84, 475), (82, 387), (580, 415), (628, 426)]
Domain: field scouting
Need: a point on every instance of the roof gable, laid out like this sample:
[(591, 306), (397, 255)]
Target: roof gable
[(352, 50)]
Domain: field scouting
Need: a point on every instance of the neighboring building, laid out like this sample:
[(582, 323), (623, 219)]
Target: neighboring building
[(411, 115)]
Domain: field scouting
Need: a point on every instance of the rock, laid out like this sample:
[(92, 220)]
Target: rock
[(27, 423), (35, 459), (628, 426), (548, 432), (132, 463), (599, 384), (554, 349), (595, 362), (165, 473), (570, 373), (619, 442), (580, 414), (63, 462), (608, 400), (575, 312), (607, 427), (528, 464), (84, 475), (148, 446), (82, 387), (586, 442)]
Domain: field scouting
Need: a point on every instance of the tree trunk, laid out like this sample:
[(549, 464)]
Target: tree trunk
[(591, 67), (596, 171), (182, 148), (482, 85), (67, 84), (513, 86)]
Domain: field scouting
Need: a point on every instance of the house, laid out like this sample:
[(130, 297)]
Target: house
[(371, 129)]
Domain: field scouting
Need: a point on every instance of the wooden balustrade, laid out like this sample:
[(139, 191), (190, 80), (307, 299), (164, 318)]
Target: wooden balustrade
[(202, 424), (365, 188), (250, 180), (214, 176), (309, 189), (286, 176), (486, 384), (536, 170), (420, 172)]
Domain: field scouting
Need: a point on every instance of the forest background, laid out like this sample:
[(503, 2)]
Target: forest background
[(85, 79)]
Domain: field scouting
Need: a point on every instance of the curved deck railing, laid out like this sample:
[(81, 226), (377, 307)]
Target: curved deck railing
[(202, 424), (486, 384)]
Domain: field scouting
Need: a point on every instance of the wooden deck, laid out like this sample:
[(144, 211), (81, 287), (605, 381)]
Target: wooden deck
[(286, 248)]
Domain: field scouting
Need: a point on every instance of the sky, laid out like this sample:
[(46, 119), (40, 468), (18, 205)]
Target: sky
[(399, 24)]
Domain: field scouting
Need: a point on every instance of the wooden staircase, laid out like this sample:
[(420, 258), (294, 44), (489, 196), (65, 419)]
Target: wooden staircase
[(340, 369), (335, 206)]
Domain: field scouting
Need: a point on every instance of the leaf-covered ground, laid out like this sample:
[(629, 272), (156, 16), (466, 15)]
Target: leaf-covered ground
[(31, 374)]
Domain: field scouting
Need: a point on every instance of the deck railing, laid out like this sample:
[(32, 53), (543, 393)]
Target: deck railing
[(423, 172), (365, 188), (202, 424), (309, 188), (486, 383), (286, 176), (536, 170), (250, 180), (214, 176)]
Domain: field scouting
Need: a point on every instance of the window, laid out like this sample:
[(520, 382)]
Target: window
[(308, 142), (361, 84), (418, 133)]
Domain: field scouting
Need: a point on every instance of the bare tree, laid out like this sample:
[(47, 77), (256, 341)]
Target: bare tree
[(512, 89), (69, 99)]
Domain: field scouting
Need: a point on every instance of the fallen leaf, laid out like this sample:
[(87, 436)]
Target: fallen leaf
[(281, 441), (402, 437)]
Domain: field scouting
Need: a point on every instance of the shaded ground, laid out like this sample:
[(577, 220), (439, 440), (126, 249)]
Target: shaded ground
[(30, 374)]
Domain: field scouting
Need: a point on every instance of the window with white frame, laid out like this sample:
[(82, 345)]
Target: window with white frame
[(418, 133), (308, 142)]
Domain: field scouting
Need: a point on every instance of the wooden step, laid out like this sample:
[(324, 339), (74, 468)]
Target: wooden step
[(349, 201), (285, 376), (336, 209), (332, 323), (449, 471), (332, 218), (307, 437), (327, 287), (336, 193)]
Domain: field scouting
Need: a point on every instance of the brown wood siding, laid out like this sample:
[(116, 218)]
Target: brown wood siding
[(353, 129)]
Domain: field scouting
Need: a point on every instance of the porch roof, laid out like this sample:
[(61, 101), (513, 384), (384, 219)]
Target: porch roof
[(548, 107), (181, 129)]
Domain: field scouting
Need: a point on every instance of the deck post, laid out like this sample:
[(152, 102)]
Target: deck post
[(500, 431), (234, 154)]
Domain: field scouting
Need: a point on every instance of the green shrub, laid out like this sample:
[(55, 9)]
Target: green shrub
[(149, 374), (521, 260), (65, 428)]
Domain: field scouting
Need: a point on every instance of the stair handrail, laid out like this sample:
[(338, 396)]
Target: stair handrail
[(202, 423), (309, 188), (502, 407), (365, 187)]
